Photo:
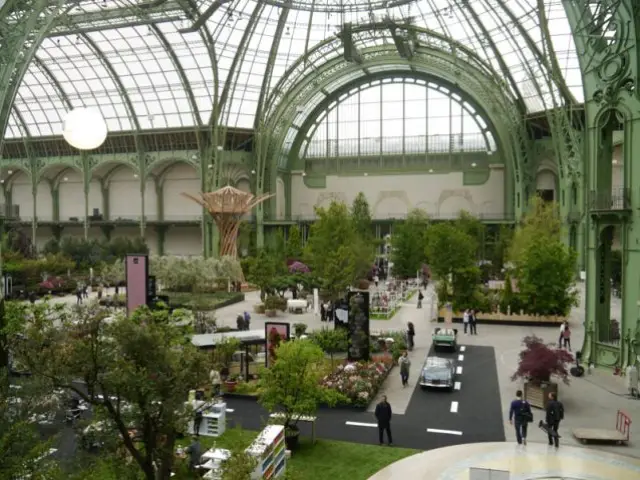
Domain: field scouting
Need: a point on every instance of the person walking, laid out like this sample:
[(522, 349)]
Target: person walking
[(383, 416), (405, 364), (473, 323), (566, 337), (420, 298), (411, 333), (561, 337), (554, 415), (520, 415), (465, 320)]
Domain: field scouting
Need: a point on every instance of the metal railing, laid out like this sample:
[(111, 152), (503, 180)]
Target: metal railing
[(619, 198), (9, 211), (488, 216)]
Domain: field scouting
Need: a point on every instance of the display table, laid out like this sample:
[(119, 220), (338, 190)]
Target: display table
[(214, 418), (296, 305)]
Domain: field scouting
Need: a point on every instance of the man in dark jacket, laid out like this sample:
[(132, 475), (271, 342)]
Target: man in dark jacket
[(383, 416), (554, 414), (519, 416)]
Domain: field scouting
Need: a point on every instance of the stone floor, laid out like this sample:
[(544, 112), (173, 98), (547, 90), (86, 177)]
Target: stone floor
[(523, 463)]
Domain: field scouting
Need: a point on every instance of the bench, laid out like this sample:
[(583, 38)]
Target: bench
[(299, 418)]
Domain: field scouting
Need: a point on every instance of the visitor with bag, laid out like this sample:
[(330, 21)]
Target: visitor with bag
[(520, 416)]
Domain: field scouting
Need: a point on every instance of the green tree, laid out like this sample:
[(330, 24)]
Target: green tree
[(331, 341), (361, 215), (408, 242), (262, 272), (473, 227), (544, 265), (294, 243), (452, 258), (292, 383), (22, 453), (136, 371), (335, 252)]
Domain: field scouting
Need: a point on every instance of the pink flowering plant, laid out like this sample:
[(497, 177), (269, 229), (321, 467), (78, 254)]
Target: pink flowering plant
[(359, 382)]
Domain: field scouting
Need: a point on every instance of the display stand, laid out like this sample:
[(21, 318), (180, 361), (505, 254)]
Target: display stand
[(270, 450), (214, 418), (214, 459)]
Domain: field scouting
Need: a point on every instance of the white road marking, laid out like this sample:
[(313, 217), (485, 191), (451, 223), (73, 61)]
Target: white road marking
[(461, 358), (463, 348), (454, 407), (457, 385), (459, 370), (447, 432), (229, 410), (360, 424)]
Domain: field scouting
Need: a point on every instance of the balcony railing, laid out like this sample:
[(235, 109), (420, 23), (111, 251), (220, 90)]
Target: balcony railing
[(618, 199), (9, 211), (487, 217)]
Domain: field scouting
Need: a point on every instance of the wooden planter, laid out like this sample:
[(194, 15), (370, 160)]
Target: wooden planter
[(537, 394)]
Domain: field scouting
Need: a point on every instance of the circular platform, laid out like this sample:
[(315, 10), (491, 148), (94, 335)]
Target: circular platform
[(533, 462)]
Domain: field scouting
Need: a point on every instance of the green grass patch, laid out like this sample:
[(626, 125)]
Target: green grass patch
[(210, 301), (326, 459)]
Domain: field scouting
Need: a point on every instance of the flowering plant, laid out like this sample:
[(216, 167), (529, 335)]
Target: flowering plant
[(298, 267), (359, 381)]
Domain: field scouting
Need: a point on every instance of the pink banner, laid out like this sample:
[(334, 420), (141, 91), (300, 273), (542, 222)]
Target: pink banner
[(137, 272)]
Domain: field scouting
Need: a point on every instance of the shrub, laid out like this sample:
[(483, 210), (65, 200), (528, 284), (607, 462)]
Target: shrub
[(540, 361), (272, 302), (299, 329)]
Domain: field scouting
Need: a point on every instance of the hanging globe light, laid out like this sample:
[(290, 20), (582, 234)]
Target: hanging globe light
[(85, 128)]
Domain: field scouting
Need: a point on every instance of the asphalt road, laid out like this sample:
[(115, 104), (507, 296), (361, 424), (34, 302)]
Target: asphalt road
[(471, 413)]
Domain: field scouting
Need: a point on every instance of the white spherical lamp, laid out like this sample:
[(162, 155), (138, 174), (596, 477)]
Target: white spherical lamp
[(85, 128)]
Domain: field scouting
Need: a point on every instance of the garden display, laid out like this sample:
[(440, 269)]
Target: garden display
[(359, 381)]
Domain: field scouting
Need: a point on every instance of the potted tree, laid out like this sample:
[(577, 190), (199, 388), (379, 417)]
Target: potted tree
[(291, 386), (271, 305), (539, 363)]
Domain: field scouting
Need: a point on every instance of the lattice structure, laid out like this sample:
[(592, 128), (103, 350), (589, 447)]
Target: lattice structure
[(227, 206)]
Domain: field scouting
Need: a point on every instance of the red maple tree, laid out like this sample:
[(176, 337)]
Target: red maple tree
[(540, 361)]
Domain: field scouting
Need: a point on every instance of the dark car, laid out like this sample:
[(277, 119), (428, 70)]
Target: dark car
[(438, 372)]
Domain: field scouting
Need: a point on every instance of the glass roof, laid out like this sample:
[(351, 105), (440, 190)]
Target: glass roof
[(152, 76)]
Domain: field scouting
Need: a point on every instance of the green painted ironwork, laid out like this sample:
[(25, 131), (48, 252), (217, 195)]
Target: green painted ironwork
[(607, 34)]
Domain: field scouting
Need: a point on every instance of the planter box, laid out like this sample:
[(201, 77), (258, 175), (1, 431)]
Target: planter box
[(538, 394), (500, 318)]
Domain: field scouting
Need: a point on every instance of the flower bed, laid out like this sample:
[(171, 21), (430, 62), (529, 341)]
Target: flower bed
[(359, 382)]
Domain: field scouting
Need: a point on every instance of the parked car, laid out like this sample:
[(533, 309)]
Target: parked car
[(445, 337), (438, 372)]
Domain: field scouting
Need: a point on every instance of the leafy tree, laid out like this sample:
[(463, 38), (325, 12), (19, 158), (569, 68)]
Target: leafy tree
[(540, 361), (136, 371), (452, 256), (331, 341), (22, 453), (291, 384), (195, 274), (361, 214), (544, 265), (335, 252), (15, 240), (408, 244), (473, 227), (294, 243), (262, 272)]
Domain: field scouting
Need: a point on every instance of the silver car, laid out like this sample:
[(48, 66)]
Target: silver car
[(438, 372)]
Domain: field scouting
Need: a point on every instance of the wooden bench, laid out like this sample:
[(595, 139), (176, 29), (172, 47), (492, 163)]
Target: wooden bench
[(618, 436), (299, 418)]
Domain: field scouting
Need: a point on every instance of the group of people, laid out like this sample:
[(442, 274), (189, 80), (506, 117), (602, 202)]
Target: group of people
[(470, 322), (565, 336), (520, 416)]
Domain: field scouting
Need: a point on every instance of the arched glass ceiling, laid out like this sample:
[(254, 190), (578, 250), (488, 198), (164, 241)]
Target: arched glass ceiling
[(133, 74)]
